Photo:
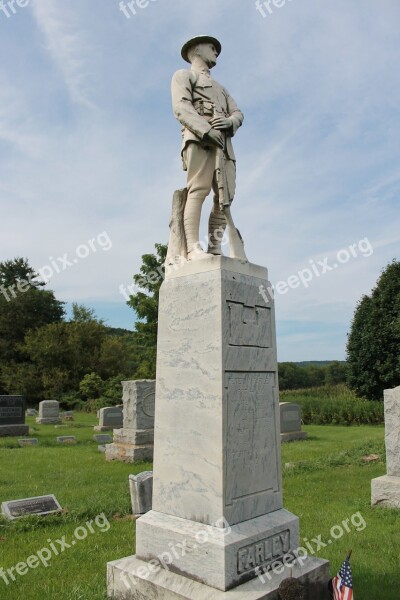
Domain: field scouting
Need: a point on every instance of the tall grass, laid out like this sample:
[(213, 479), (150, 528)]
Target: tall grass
[(334, 405)]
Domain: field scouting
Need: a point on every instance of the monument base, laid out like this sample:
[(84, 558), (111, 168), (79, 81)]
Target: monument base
[(134, 579), (293, 436), (219, 556), (385, 491), (13, 430), (129, 453), (48, 421)]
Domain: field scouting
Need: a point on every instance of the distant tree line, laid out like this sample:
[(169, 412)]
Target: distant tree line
[(44, 356), (81, 361), (293, 376)]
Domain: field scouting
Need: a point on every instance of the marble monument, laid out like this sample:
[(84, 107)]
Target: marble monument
[(217, 528), (385, 490)]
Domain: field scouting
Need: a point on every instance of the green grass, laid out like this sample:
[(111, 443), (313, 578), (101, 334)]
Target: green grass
[(328, 483)]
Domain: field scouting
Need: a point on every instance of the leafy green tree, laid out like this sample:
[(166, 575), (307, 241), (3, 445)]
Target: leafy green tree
[(145, 305), (335, 373), (24, 307), (374, 340), (91, 386), (63, 353)]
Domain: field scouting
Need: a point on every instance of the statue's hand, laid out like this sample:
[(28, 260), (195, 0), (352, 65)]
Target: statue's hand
[(221, 123), (216, 138)]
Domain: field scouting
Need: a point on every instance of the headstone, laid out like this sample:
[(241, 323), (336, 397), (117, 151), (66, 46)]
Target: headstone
[(141, 487), (103, 439), (69, 440), (110, 417), (385, 490), (28, 442), (49, 413), (290, 419), (31, 412), (135, 441), (40, 505), (12, 416), (217, 459)]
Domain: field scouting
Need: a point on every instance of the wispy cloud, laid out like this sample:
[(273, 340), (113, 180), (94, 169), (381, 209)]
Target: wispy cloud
[(67, 45)]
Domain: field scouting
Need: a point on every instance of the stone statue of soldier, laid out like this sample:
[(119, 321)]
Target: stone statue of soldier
[(210, 118)]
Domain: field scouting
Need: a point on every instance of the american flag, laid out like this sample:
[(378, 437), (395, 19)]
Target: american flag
[(341, 586)]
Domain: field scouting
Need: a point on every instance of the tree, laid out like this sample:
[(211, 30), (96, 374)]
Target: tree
[(145, 305), (373, 347), (24, 307)]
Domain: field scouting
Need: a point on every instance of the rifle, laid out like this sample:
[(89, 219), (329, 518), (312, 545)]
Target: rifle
[(236, 244)]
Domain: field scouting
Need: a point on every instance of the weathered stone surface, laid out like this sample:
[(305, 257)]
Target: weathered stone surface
[(141, 488), (217, 475), (134, 437), (110, 417), (134, 579), (139, 400), (217, 450), (392, 431), (290, 417), (134, 442), (49, 413), (385, 491), (225, 556), (12, 416), (13, 430), (31, 412), (129, 453)]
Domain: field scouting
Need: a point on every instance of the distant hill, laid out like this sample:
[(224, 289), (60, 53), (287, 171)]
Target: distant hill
[(318, 363)]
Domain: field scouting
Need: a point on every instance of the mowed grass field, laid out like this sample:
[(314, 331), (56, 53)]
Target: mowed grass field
[(327, 483)]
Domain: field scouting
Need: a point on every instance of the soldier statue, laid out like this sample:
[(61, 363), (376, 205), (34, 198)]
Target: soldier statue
[(210, 118)]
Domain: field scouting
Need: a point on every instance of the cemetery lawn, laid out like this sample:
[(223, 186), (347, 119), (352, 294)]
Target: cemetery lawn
[(326, 483)]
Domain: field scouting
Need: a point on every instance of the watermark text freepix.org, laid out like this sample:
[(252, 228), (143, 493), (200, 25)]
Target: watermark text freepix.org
[(175, 551), (57, 265), (129, 9), (10, 7), (265, 5), (45, 555), (300, 554), (318, 269)]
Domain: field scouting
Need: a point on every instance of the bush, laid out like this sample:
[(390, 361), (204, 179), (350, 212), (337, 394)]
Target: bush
[(334, 405)]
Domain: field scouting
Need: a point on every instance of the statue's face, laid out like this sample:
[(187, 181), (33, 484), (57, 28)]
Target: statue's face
[(208, 53)]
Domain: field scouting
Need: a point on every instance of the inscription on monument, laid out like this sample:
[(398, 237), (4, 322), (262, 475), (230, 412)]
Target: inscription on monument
[(12, 410), (148, 405), (252, 461), (249, 325), (263, 552)]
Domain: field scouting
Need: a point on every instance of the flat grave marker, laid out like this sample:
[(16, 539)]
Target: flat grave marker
[(28, 442), (39, 505), (69, 440)]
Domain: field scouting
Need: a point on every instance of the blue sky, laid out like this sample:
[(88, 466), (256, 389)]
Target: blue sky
[(89, 146)]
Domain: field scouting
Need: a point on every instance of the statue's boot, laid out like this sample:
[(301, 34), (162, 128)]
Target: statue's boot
[(191, 221), (216, 229)]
